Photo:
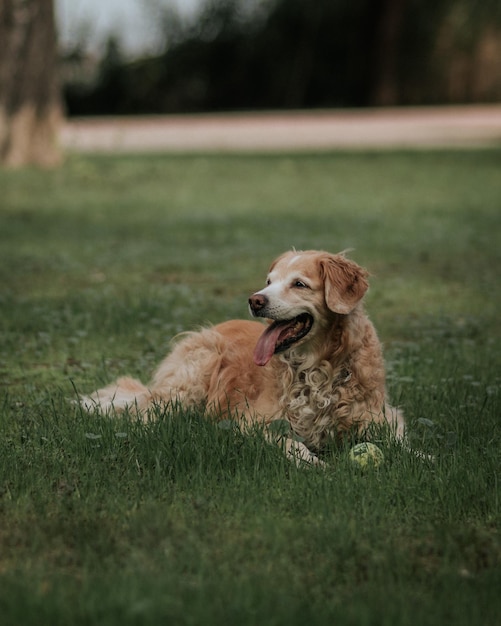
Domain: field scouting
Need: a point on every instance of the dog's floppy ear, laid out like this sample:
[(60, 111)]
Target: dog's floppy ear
[(345, 283)]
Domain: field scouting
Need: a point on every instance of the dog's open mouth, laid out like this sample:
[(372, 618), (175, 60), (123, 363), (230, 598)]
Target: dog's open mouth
[(280, 335)]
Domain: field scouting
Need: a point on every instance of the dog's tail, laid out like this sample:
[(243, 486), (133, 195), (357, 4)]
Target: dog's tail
[(125, 394)]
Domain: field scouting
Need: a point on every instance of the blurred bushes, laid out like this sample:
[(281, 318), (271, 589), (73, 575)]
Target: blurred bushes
[(247, 54)]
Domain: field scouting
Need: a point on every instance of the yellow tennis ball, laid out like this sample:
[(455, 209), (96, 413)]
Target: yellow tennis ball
[(366, 455)]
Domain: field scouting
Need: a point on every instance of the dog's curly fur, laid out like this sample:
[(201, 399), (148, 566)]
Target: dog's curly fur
[(318, 365)]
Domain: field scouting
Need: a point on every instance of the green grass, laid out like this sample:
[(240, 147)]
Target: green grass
[(182, 521)]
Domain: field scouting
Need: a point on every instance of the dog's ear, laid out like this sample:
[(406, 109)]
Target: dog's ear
[(345, 283)]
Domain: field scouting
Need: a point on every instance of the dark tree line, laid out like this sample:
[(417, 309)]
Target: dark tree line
[(304, 54)]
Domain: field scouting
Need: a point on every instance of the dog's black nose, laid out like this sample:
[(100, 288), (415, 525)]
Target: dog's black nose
[(257, 302)]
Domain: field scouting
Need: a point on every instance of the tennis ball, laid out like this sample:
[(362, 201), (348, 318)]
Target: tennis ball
[(366, 455)]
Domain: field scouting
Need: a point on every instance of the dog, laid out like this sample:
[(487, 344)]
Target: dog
[(316, 365)]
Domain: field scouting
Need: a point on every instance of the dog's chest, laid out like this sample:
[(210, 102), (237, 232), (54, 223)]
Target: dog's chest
[(314, 399)]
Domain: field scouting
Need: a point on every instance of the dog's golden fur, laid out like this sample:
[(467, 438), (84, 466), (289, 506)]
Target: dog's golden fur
[(318, 364)]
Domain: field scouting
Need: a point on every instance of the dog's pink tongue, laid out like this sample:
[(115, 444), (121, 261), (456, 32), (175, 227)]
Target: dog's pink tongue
[(265, 346)]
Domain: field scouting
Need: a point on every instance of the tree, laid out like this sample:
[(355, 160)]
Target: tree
[(389, 17), (30, 103)]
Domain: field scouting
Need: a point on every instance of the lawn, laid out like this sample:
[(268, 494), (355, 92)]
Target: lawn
[(184, 521)]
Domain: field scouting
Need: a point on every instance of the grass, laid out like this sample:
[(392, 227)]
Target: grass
[(183, 521)]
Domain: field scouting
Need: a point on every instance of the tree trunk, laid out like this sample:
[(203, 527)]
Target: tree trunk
[(30, 101), (385, 87)]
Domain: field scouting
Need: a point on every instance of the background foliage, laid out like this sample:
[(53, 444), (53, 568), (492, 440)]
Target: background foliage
[(241, 54)]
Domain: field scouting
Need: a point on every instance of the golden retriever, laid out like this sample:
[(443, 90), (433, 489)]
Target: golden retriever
[(317, 364)]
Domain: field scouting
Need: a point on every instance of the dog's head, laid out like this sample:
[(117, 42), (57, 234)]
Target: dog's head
[(304, 290)]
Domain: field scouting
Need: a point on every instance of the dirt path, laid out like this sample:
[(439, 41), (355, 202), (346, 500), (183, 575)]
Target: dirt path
[(289, 131)]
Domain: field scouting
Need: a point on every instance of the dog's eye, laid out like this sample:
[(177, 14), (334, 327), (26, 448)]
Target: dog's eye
[(268, 281), (299, 284)]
